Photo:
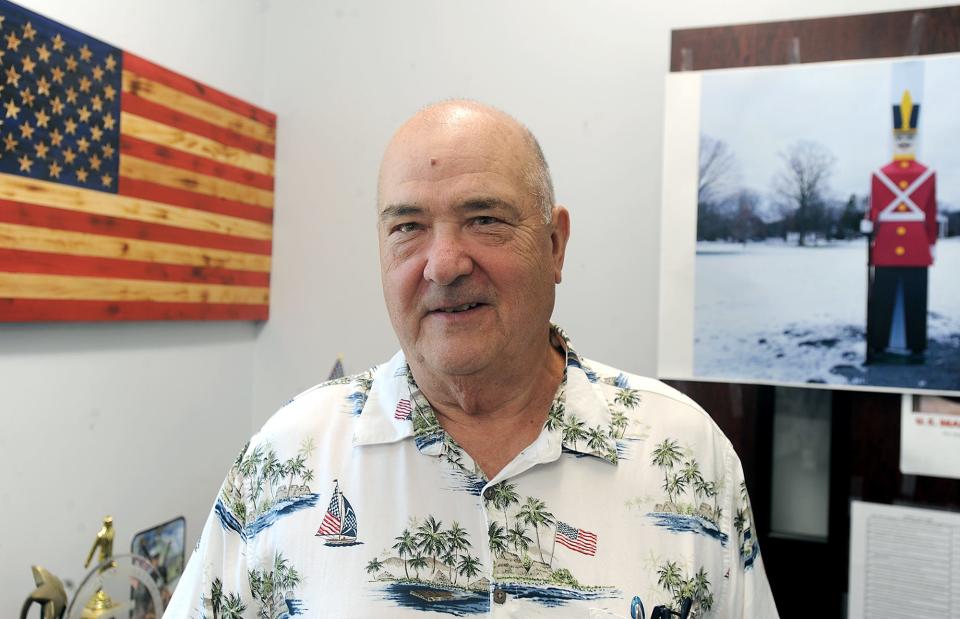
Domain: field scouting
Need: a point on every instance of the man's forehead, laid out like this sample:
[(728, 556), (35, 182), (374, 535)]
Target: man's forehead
[(429, 143), (436, 151)]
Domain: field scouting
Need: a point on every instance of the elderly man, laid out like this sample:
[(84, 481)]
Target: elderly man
[(487, 469)]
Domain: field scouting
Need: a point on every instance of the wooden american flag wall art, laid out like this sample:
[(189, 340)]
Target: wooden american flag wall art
[(127, 191)]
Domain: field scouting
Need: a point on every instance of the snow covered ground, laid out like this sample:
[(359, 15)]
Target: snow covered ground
[(776, 312)]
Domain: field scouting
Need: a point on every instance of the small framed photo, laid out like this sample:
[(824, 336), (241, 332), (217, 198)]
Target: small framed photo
[(163, 546)]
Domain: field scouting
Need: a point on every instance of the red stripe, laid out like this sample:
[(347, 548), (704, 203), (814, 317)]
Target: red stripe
[(61, 219), (22, 261), (37, 310), (585, 549), (192, 163), (146, 190), (169, 116), (329, 526), (196, 89)]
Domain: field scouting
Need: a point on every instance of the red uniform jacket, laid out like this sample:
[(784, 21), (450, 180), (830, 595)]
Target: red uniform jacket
[(903, 209)]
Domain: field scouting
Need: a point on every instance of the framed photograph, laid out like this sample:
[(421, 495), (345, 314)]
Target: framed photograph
[(163, 546), (811, 225)]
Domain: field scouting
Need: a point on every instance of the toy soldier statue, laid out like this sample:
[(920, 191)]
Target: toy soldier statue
[(903, 223)]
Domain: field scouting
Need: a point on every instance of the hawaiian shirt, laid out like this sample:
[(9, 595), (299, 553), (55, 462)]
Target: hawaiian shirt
[(352, 501)]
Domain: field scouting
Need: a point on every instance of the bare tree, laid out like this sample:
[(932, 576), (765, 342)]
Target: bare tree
[(718, 170), (801, 185)]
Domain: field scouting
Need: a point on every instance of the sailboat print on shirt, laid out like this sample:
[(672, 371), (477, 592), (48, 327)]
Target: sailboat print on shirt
[(339, 524)]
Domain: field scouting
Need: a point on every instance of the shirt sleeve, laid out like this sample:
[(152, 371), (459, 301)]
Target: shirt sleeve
[(215, 578), (748, 592)]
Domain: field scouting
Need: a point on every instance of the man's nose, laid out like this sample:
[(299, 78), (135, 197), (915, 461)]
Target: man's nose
[(447, 259)]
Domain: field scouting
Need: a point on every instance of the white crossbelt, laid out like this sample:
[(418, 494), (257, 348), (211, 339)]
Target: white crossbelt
[(902, 196)]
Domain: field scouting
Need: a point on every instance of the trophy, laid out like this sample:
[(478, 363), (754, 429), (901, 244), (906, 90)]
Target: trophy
[(49, 593), (114, 574), (100, 604), (110, 579)]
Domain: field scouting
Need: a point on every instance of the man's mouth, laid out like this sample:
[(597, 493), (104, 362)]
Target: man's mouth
[(458, 308)]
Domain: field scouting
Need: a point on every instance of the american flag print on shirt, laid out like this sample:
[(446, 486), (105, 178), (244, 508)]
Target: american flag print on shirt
[(127, 191), (404, 411), (576, 539)]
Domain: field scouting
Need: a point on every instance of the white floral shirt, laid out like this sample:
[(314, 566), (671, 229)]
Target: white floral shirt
[(352, 501)]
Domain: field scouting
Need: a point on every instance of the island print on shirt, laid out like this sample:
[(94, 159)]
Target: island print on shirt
[(272, 589), (260, 489), (681, 585), (433, 568), (695, 514)]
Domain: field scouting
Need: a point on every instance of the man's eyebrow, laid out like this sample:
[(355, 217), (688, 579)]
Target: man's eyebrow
[(400, 210), (472, 205), (488, 204)]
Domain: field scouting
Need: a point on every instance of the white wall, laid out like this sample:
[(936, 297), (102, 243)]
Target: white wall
[(587, 77), (135, 420)]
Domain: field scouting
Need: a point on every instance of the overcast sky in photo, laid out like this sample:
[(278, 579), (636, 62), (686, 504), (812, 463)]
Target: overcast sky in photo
[(846, 107)]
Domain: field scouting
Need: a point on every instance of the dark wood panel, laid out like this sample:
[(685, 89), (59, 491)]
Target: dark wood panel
[(877, 35), (864, 465)]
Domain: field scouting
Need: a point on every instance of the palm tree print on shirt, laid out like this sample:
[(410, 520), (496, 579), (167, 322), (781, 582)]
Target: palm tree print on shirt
[(429, 565), (229, 606), (260, 488), (672, 578), (687, 491), (273, 588), (362, 384), (522, 540), (534, 512)]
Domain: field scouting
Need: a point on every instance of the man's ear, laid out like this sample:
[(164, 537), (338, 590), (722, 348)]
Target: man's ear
[(559, 236)]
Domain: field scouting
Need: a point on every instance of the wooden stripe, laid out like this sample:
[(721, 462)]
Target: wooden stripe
[(188, 199), (130, 102), (19, 261), (36, 286), (198, 108), (35, 310), (61, 219), (184, 84), (44, 193), (30, 238), (169, 176), (161, 154), (172, 137)]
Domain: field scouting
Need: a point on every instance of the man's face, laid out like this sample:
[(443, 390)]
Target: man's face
[(467, 262)]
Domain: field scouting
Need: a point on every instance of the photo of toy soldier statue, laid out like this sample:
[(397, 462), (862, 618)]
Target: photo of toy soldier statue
[(902, 230)]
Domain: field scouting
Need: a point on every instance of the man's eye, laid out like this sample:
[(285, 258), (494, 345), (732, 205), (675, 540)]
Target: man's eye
[(406, 227), (485, 220)]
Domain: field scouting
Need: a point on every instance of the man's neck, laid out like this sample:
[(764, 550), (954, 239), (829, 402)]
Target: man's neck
[(494, 418)]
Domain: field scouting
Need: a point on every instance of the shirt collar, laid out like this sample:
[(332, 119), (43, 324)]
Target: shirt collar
[(394, 409)]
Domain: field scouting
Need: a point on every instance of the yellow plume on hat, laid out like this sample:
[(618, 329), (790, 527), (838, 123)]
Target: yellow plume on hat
[(906, 109)]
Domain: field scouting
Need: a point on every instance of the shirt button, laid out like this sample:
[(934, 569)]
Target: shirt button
[(488, 493), (499, 595)]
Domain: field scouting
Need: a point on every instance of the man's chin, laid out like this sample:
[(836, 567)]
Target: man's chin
[(460, 361)]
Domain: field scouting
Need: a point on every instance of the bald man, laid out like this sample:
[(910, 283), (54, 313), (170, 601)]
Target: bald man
[(487, 469)]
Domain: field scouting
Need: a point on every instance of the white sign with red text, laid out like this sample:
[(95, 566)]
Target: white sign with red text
[(930, 436)]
